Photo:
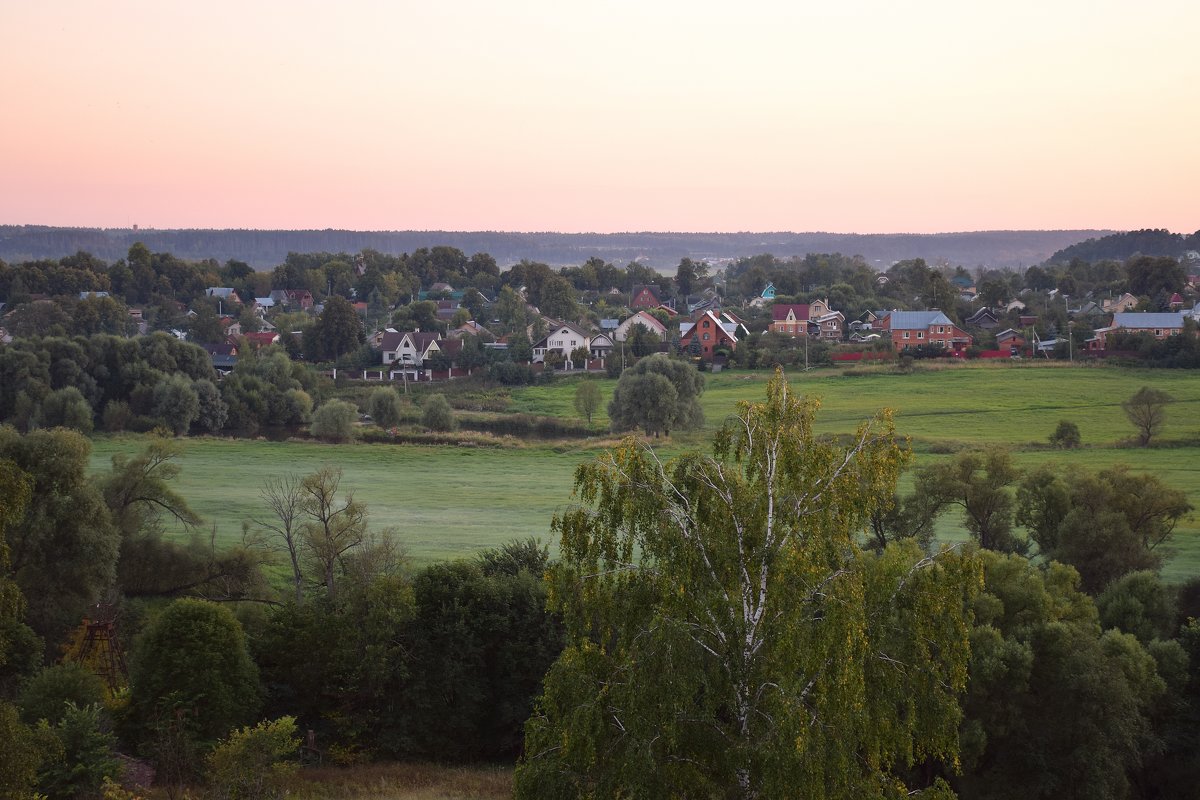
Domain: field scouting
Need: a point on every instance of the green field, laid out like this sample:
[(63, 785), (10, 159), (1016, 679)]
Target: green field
[(451, 501)]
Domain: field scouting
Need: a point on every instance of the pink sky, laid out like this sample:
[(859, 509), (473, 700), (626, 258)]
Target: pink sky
[(869, 117)]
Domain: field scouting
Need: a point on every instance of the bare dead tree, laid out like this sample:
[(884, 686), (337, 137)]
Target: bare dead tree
[(285, 497)]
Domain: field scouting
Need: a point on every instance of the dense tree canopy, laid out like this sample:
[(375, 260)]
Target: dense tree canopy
[(193, 659), (64, 547), (727, 638), (657, 394), (1055, 707)]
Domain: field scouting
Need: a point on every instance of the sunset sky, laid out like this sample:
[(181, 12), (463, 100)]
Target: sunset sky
[(845, 116)]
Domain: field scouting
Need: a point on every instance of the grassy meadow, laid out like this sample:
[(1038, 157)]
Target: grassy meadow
[(450, 501)]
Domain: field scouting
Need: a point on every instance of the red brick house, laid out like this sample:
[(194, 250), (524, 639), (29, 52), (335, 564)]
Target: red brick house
[(914, 328), (645, 296), (711, 332), (1158, 325)]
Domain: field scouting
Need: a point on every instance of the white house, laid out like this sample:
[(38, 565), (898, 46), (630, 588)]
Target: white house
[(564, 338), (409, 348)]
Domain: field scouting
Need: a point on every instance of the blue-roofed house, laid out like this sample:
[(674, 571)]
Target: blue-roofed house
[(1159, 325), (910, 329)]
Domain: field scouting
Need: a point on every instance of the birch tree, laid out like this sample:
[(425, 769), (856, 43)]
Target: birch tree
[(334, 523), (728, 638)]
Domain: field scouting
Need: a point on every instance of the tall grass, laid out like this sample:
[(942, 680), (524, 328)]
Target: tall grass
[(402, 782)]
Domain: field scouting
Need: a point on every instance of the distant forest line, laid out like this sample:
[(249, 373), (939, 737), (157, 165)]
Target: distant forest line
[(264, 249)]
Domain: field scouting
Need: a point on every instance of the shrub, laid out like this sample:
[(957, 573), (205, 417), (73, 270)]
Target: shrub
[(334, 421), (436, 414), (510, 373), (87, 755), (252, 763), (45, 695), (384, 407), (22, 751), (1066, 435), (191, 664)]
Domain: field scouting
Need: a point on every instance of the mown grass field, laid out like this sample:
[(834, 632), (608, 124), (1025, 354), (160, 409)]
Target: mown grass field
[(451, 501)]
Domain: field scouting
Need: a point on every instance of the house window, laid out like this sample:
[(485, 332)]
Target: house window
[(920, 334), (906, 334), (941, 329), (706, 336), (1158, 332)]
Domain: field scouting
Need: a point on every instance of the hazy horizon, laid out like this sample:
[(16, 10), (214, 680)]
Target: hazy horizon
[(862, 117), (577, 232)]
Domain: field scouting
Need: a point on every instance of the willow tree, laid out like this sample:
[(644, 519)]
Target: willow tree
[(728, 638)]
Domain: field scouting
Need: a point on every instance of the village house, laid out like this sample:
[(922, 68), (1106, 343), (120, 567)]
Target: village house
[(293, 298), (601, 345), (1126, 302), (407, 348), (767, 296), (914, 328), (645, 296), (711, 333), (1011, 340), (807, 319), (563, 337), (260, 340), (224, 295), (983, 318), (646, 320), (1159, 325), (791, 318)]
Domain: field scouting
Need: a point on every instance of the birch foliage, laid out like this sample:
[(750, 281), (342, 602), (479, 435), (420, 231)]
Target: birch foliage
[(728, 638)]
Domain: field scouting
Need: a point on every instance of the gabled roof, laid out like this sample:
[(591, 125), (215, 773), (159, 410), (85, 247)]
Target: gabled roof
[(730, 328), (650, 287), (1141, 319), (421, 340), (261, 339), (916, 320), (646, 320), (980, 314), (472, 327), (779, 311), (575, 329)]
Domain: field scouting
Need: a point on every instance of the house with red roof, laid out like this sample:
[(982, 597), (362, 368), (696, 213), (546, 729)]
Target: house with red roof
[(263, 339), (645, 296), (807, 319)]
